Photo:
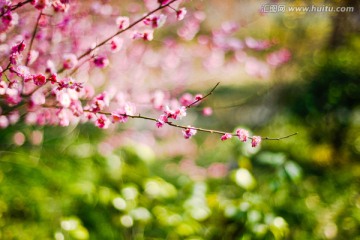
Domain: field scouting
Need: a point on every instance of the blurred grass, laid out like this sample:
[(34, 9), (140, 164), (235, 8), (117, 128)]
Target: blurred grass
[(304, 187)]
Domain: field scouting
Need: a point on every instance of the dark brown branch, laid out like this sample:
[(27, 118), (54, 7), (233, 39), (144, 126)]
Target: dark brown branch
[(16, 6), (212, 90), (32, 38)]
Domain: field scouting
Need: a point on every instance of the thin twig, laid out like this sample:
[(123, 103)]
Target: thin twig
[(195, 128), (32, 38), (7, 68), (120, 31), (268, 138), (139, 116), (79, 65), (16, 6), (200, 99)]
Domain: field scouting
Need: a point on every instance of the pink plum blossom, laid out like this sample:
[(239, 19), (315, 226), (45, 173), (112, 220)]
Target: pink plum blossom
[(180, 14), (279, 57), (164, 2), (226, 136), (121, 115), (162, 120), (146, 35), (207, 111), (242, 134), (256, 140), (63, 117), (189, 132), (41, 4), (116, 44), (102, 121), (60, 6), (186, 99), (101, 61), (69, 61), (3, 87), (155, 21), (4, 122), (39, 80), (122, 22)]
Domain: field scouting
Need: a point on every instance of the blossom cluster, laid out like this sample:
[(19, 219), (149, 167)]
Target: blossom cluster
[(51, 73)]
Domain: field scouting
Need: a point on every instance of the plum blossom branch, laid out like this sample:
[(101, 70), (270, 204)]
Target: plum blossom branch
[(122, 30), (16, 6), (200, 98), (139, 116), (7, 68), (188, 131), (32, 38)]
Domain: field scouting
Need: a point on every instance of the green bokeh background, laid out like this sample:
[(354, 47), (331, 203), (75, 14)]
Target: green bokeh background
[(304, 187)]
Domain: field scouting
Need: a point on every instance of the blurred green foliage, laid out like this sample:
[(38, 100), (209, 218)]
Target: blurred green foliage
[(305, 187)]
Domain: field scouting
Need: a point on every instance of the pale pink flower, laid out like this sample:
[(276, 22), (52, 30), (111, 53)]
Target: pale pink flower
[(88, 91), (63, 98), (50, 67), (23, 72), (164, 2), (256, 140), (41, 4), (122, 22), (186, 99), (198, 97), (101, 61), (8, 20), (116, 44), (180, 14), (255, 67), (14, 116), (155, 21), (18, 48), (69, 61), (100, 102), (159, 124), (33, 55), (30, 118), (3, 87), (217, 170), (257, 44), (189, 132), (13, 96), (76, 108), (41, 118), (38, 98), (60, 6), (148, 35), (169, 113), (279, 57), (162, 120), (226, 136), (242, 134), (180, 113), (158, 100), (207, 111), (119, 116), (4, 122), (102, 121), (63, 117)]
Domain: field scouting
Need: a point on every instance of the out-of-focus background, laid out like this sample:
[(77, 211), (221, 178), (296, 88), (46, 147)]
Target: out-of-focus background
[(86, 183)]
